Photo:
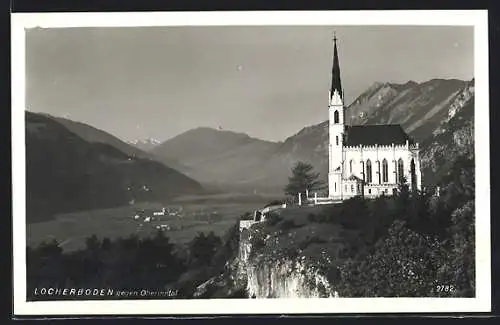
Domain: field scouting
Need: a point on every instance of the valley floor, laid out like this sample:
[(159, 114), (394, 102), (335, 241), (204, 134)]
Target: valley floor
[(183, 220)]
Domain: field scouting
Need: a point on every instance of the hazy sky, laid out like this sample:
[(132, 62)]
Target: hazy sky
[(268, 82)]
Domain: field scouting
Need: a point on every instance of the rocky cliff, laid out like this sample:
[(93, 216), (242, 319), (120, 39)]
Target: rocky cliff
[(452, 139), (268, 276), (278, 258)]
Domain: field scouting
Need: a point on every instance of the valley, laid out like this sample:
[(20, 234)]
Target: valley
[(182, 221)]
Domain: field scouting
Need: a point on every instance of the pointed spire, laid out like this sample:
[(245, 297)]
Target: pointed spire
[(336, 84)]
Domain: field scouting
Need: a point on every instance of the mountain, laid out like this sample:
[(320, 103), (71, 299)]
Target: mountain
[(94, 135), (452, 141), (236, 161), (214, 156), (146, 144), (418, 107), (423, 109), (65, 173)]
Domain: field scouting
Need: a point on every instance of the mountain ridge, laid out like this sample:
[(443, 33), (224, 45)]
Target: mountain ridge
[(66, 173), (94, 135)]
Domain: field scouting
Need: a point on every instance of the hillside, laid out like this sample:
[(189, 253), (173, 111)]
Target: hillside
[(453, 140), (94, 135), (418, 107), (221, 157), (66, 173)]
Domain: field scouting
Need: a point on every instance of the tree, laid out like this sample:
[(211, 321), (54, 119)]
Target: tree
[(303, 178), (202, 249), (403, 264), (460, 269)]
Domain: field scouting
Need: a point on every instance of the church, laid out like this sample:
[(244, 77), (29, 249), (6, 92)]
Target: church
[(367, 160)]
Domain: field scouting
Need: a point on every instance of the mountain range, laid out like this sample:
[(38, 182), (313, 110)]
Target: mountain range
[(84, 167), (423, 109)]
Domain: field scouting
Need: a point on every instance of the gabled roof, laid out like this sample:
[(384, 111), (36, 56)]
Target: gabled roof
[(369, 135)]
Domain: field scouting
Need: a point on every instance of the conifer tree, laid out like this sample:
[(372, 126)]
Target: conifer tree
[(303, 178)]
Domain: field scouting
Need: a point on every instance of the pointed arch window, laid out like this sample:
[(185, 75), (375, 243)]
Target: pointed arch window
[(337, 140), (368, 171), (385, 171), (363, 170), (336, 117), (413, 175), (400, 171), (350, 167)]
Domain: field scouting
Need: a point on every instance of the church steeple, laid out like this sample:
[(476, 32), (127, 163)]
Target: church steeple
[(336, 84)]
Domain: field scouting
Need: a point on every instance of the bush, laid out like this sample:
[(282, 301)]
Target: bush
[(404, 264), (273, 218), (353, 213)]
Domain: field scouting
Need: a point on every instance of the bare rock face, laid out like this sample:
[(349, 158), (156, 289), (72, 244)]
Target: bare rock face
[(268, 271), (461, 99), (287, 279), (454, 137)]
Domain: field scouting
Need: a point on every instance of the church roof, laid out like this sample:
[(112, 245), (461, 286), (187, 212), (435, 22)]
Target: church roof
[(369, 135)]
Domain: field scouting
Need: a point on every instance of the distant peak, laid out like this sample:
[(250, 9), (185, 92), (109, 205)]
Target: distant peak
[(145, 142), (209, 130)]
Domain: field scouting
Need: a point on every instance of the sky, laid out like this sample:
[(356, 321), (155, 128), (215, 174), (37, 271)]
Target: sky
[(268, 82)]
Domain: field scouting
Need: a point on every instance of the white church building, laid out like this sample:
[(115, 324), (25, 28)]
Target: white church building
[(368, 160)]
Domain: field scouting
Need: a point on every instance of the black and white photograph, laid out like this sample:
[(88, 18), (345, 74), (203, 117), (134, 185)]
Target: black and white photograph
[(220, 163)]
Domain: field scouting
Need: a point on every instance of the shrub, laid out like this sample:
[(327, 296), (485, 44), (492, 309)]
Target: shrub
[(404, 264)]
